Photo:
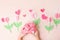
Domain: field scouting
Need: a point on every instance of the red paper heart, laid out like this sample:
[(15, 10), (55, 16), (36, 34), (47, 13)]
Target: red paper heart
[(44, 16), (18, 12), (42, 10)]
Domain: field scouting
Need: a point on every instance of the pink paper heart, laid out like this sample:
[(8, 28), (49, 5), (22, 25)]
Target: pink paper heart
[(18, 12), (57, 15), (7, 19), (44, 17), (2, 19), (30, 10), (29, 28), (42, 10)]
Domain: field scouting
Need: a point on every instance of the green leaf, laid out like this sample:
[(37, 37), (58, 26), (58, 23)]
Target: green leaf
[(17, 24), (37, 21), (57, 21), (9, 26), (49, 28)]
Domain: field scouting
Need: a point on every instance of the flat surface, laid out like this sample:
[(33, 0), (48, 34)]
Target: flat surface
[(8, 8)]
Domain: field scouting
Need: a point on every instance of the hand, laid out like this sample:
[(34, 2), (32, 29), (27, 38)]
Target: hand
[(37, 34), (21, 36)]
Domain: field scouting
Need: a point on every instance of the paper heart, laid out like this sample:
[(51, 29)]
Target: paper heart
[(57, 15), (5, 19), (29, 28), (2, 19), (30, 10), (49, 28), (44, 17), (42, 10), (17, 12)]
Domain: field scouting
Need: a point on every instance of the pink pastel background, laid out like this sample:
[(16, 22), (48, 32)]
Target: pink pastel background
[(8, 7)]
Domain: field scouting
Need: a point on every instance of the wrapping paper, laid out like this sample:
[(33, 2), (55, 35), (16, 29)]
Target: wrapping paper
[(29, 28)]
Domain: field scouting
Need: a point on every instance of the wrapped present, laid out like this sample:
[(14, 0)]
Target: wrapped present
[(29, 28)]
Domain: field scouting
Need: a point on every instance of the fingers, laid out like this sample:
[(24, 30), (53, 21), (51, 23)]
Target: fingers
[(37, 34), (21, 36)]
